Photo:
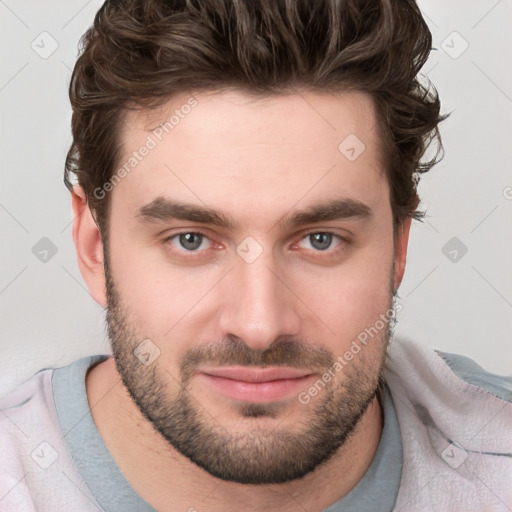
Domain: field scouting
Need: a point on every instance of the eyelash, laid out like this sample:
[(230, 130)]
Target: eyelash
[(341, 247)]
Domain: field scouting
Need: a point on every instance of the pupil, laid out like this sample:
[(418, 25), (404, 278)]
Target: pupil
[(190, 241), (321, 241)]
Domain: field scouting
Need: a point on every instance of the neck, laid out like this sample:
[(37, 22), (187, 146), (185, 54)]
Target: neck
[(169, 481)]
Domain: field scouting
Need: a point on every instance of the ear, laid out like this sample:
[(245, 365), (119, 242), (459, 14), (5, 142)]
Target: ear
[(401, 251), (89, 246)]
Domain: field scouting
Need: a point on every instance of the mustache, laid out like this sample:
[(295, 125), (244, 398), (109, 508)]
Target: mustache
[(232, 351)]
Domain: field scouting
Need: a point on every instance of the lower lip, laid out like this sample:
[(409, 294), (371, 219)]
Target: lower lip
[(258, 392)]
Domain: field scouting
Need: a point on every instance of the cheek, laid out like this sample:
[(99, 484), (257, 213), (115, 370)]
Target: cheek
[(351, 296), (163, 300)]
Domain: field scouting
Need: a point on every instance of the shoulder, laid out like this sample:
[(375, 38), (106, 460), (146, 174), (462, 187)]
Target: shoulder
[(17, 403), (471, 372), (25, 409), (34, 397), (21, 411), (411, 361), (37, 470), (455, 428)]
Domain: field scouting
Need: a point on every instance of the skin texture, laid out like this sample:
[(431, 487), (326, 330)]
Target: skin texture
[(180, 441)]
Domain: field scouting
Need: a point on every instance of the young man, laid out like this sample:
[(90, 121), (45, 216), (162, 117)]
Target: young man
[(247, 177)]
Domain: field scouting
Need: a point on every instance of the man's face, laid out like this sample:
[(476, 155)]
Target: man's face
[(247, 310)]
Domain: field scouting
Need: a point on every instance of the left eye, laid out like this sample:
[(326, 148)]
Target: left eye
[(320, 241), (189, 241)]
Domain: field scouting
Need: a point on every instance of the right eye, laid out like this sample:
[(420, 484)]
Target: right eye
[(189, 241)]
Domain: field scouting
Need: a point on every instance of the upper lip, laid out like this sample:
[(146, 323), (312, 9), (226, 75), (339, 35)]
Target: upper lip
[(252, 374)]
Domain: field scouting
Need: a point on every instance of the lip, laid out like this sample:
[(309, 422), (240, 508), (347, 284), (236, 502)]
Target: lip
[(257, 385)]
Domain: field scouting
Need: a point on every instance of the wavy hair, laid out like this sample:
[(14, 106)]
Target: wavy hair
[(139, 53)]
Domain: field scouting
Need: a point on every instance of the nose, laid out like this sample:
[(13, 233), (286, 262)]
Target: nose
[(258, 307)]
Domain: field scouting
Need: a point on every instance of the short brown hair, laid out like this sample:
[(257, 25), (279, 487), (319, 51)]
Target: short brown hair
[(140, 53)]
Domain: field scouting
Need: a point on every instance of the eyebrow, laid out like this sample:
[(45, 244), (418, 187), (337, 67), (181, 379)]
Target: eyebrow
[(164, 209)]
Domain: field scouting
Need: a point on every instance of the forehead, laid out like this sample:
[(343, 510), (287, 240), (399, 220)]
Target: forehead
[(232, 148)]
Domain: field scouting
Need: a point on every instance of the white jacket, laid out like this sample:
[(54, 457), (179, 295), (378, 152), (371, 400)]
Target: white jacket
[(454, 418)]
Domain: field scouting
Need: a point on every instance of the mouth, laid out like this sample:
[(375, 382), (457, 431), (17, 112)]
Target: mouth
[(256, 385)]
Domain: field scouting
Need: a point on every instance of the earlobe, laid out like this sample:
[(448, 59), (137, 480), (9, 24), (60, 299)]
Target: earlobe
[(402, 243), (89, 246)]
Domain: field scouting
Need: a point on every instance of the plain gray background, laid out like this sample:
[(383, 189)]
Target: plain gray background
[(464, 306)]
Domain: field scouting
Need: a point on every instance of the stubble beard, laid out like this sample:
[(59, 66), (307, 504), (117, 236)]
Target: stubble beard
[(257, 454)]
